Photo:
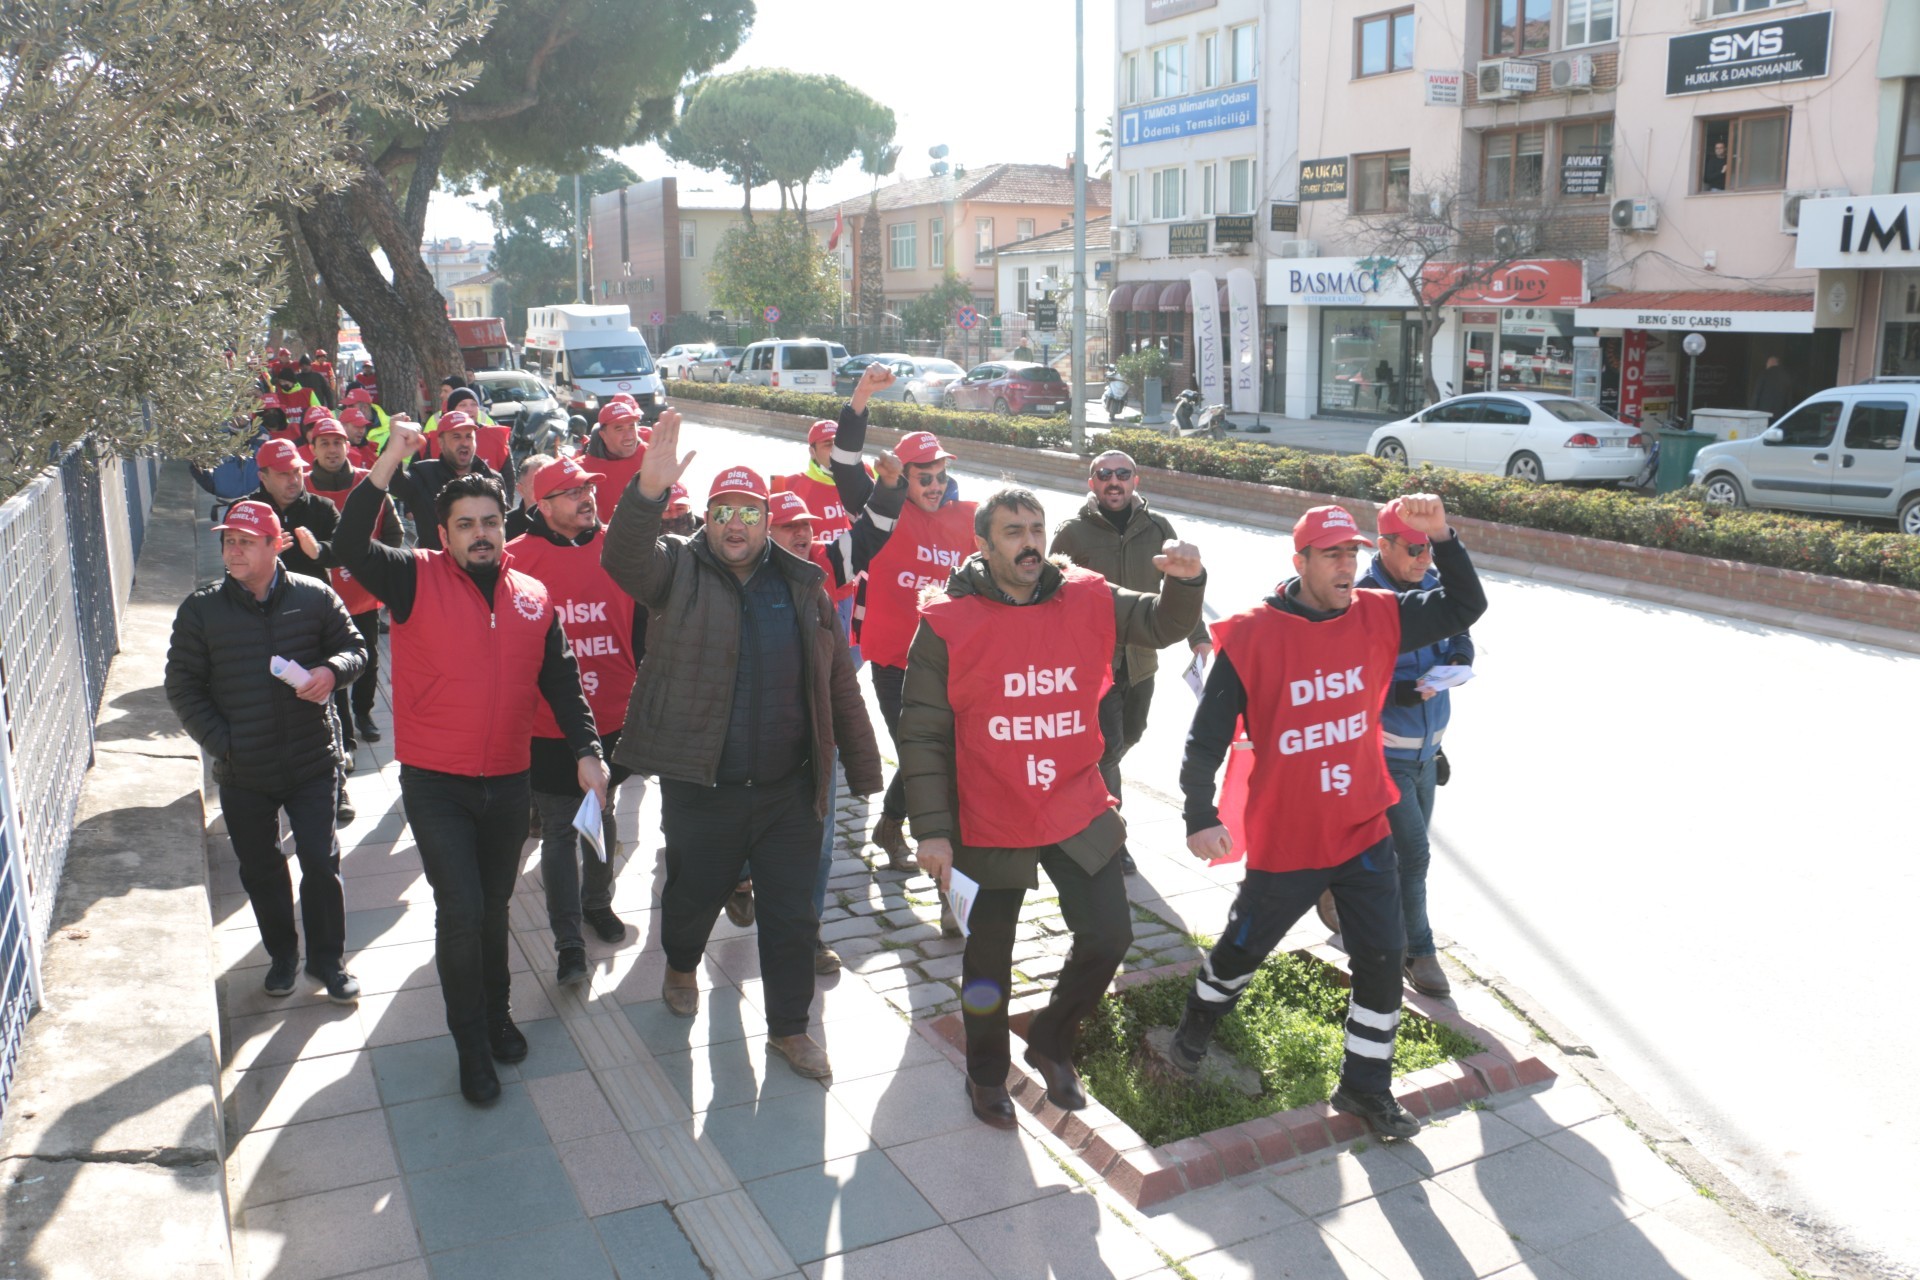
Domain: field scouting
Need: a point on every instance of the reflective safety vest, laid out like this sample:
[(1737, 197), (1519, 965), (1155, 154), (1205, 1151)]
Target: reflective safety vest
[(1025, 683), (598, 619), (922, 551)]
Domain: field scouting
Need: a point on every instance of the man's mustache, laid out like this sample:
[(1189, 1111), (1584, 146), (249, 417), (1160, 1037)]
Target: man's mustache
[(479, 546), (1026, 555)]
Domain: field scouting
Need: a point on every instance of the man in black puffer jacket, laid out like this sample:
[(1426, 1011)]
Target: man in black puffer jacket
[(273, 746)]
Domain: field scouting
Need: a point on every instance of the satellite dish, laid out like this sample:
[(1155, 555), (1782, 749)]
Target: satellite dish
[(938, 151), (939, 167)]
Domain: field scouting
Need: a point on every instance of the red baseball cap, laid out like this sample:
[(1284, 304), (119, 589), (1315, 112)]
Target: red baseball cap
[(1327, 527), (457, 420), (359, 395), (677, 497), (252, 517), (738, 480), (564, 474), (920, 447), (621, 397), (353, 417), (788, 508), (1392, 522), (279, 455), (822, 431), (326, 427), (618, 413)]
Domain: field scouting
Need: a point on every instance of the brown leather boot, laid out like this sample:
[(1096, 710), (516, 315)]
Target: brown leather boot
[(1328, 913), (803, 1054), (1425, 975), (681, 991), (892, 841)]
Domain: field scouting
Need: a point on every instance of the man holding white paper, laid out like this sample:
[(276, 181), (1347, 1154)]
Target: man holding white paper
[(1000, 749)]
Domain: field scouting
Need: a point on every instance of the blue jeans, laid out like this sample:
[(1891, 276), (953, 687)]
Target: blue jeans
[(1409, 819)]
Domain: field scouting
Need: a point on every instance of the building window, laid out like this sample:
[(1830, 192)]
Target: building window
[(1512, 164), (1383, 43), (1906, 177), (1023, 229), (982, 240), (936, 242), (1170, 71), (1130, 78), (1020, 288), (1169, 188), (1744, 153), (1588, 138), (1209, 177), (1589, 22), (1722, 8), (1240, 60), (1239, 186), (1209, 60), (689, 238), (1380, 183), (900, 246), (1516, 27)]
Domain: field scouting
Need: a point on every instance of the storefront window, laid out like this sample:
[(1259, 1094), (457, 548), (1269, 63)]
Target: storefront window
[(1900, 314), (1369, 363), (1536, 350)]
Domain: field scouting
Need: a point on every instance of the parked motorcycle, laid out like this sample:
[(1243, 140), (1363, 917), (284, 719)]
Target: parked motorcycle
[(1114, 401), (1191, 419)]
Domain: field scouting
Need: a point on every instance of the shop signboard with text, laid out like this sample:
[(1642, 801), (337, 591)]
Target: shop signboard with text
[(1234, 107), (1337, 282), (1876, 232), (1745, 57), (1546, 282)]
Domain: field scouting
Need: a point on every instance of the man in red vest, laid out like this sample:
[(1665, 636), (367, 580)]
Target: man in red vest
[(333, 477), (1306, 673), (911, 533), (616, 449), (816, 488), (362, 450), (1000, 749), (477, 644), (605, 630)]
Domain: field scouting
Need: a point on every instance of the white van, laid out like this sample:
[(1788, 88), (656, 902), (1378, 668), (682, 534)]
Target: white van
[(804, 364), (590, 353)]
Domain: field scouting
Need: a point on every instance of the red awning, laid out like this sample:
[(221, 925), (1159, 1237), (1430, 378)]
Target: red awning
[(1174, 296), (1146, 296), (1117, 300), (1225, 306)]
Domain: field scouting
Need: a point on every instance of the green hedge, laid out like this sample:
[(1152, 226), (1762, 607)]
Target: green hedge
[(1674, 521), (1028, 433)]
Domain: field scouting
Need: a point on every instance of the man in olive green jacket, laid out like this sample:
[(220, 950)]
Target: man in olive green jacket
[(1117, 536)]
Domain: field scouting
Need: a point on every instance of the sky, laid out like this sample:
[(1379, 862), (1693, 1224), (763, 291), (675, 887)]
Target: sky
[(993, 81)]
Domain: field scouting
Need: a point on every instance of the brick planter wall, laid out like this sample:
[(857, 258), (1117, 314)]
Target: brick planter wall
[(1674, 577)]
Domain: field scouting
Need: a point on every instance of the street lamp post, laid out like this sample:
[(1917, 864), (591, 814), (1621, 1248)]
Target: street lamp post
[(1078, 369)]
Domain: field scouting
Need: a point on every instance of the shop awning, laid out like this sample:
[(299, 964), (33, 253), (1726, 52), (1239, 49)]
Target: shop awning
[(1146, 296), (1174, 296), (1118, 299), (1703, 310), (1224, 305)]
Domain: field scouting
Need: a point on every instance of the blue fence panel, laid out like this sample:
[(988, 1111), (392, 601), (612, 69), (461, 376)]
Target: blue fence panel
[(92, 574), (138, 492)]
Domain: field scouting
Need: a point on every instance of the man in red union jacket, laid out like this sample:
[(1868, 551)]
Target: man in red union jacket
[(1000, 747), (477, 645), (1306, 672), (604, 630)]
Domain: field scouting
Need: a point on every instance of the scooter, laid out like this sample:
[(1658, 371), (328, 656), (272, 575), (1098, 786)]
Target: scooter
[(1114, 401), (1190, 419)]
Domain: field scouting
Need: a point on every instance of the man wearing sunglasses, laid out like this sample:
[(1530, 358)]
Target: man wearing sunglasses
[(606, 631), (744, 693), (1118, 537)]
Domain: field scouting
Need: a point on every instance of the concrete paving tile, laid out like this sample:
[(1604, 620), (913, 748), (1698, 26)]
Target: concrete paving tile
[(505, 1195), (774, 1135), (1649, 1248), (331, 1233), (686, 1162), (632, 976), (908, 1104), (724, 1015), (570, 1249), (730, 1073), (312, 1089), (414, 1270), (1538, 1195), (1534, 1269), (738, 958), (1421, 1232), (450, 1130), (841, 1205), (1301, 1252), (1220, 1215), (936, 1253), (423, 1069), (834, 998), (1555, 1107), (733, 1238), (922, 997), (380, 925), (1456, 1139), (402, 966), (1709, 1221), (647, 1244), (399, 1016), (608, 1173), (1613, 1153), (571, 1106), (319, 1155), (978, 1169), (1065, 1237), (1331, 1181), (294, 1031), (550, 1049), (389, 889), (641, 1095)]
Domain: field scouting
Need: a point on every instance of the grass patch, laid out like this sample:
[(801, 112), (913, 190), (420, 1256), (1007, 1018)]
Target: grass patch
[(1290, 1026)]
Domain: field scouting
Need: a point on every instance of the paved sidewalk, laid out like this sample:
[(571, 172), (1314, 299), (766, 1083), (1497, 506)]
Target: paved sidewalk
[(1316, 435), (632, 1143)]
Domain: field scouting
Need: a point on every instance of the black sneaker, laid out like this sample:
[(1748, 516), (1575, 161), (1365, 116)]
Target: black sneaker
[(366, 728), (608, 925), (1189, 1048), (342, 987), (345, 813), (1382, 1112), (479, 1083), (505, 1040), (1127, 864), (281, 975), (573, 967)]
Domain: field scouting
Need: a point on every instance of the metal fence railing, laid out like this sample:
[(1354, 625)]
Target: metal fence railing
[(67, 547)]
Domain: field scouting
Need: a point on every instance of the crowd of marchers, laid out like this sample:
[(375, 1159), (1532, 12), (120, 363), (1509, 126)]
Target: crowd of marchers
[(545, 651)]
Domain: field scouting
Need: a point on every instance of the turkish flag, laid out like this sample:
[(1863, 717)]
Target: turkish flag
[(839, 225)]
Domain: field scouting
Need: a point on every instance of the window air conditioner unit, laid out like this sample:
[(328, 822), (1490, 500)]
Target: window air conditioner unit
[(1299, 248), (1574, 72), (1507, 78), (1635, 213), (1790, 202), (1511, 241), (1126, 242)]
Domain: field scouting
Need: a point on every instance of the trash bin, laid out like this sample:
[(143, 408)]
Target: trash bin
[(1152, 411), (1678, 449)]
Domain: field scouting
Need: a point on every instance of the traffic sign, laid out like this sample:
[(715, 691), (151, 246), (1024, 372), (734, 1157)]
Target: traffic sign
[(656, 318), (772, 314), (967, 318)]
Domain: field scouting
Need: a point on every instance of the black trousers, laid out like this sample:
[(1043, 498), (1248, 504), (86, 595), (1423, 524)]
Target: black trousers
[(470, 831), (1095, 908), (888, 682), (1123, 719), (1366, 888), (711, 833), (253, 824), (359, 696)]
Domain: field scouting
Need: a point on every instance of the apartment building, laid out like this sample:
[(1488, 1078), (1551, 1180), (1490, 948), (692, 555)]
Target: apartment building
[(634, 252)]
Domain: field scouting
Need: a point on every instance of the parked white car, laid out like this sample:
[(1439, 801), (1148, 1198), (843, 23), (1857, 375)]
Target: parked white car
[(1530, 435), (675, 362), (1850, 451)]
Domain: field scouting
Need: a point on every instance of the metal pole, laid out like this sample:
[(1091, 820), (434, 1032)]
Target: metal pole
[(1078, 369), (1693, 372), (579, 263)]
